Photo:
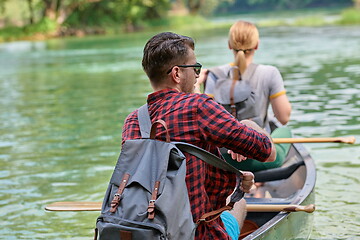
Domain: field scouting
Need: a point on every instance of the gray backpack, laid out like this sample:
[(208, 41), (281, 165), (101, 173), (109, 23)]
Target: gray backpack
[(237, 96), (147, 196)]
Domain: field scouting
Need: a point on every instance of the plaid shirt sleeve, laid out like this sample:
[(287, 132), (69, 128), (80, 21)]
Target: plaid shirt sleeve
[(131, 129), (221, 128)]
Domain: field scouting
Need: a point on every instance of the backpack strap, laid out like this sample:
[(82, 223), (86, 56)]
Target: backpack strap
[(215, 161), (232, 100), (144, 121), (218, 72), (147, 129), (219, 163), (207, 157)]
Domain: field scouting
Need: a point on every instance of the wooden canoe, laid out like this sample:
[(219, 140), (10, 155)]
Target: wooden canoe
[(295, 185)]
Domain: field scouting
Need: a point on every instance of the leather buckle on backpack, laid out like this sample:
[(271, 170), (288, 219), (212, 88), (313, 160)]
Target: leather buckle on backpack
[(117, 196), (151, 207)]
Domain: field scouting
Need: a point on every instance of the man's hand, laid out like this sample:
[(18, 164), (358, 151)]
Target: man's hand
[(200, 80), (236, 156), (247, 181)]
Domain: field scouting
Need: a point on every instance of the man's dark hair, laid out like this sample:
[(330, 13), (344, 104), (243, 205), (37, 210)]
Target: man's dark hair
[(163, 51)]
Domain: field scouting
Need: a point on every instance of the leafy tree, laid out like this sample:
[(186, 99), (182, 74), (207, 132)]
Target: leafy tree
[(202, 6), (127, 13), (2, 6), (132, 12), (31, 11), (59, 10)]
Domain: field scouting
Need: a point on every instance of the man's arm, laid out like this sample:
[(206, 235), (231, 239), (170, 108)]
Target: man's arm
[(256, 127), (220, 128)]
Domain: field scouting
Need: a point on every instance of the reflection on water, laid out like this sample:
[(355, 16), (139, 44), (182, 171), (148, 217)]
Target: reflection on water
[(63, 102)]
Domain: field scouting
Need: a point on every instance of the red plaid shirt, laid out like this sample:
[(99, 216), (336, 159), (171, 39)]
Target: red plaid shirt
[(197, 119)]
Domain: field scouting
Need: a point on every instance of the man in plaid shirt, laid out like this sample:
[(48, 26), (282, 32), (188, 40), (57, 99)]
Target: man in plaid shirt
[(170, 63)]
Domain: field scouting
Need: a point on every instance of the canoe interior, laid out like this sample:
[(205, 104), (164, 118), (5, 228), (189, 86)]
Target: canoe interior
[(296, 189)]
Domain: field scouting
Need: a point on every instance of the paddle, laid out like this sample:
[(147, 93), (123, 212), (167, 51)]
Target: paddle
[(349, 140), (96, 206)]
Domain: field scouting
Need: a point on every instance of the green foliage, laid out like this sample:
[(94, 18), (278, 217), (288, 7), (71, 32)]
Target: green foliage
[(10, 33), (272, 23), (350, 16), (44, 27), (2, 6), (126, 14), (269, 5), (116, 16), (310, 21), (281, 4), (208, 7), (178, 22)]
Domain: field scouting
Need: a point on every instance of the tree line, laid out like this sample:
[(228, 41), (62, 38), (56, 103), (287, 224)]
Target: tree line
[(130, 14)]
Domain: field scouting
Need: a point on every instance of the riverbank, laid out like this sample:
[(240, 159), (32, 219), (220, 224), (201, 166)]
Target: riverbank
[(48, 29)]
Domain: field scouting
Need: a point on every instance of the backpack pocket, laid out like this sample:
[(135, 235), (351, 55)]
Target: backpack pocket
[(111, 228)]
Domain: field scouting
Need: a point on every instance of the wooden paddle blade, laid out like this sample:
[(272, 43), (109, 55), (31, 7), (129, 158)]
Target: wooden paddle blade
[(279, 207), (74, 206), (96, 206), (309, 208), (349, 140)]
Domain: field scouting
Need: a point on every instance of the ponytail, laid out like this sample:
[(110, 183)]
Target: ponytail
[(243, 38), (240, 63)]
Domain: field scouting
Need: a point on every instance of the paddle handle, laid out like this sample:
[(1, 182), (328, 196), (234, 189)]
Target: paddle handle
[(96, 206), (349, 140), (74, 206)]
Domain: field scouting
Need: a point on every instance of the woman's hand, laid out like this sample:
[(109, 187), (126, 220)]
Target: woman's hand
[(236, 156)]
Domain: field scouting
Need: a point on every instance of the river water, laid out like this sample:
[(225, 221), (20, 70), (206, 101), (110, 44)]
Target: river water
[(63, 103)]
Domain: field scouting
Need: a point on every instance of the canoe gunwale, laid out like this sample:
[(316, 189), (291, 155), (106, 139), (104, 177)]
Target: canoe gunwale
[(305, 194)]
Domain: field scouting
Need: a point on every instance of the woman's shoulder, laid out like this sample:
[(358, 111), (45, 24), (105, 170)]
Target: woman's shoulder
[(268, 73), (269, 68), (219, 71), (224, 67)]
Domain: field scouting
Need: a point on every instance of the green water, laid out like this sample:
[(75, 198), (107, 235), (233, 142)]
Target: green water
[(63, 103)]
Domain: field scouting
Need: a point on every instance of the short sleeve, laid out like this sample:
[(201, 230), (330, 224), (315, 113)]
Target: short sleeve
[(276, 83)]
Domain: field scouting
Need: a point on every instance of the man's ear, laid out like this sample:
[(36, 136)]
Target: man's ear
[(229, 45), (175, 74)]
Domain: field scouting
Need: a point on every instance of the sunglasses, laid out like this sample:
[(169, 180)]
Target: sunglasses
[(197, 68)]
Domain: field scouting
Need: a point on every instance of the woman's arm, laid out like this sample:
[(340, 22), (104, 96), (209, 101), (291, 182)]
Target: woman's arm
[(201, 79), (281, 108)]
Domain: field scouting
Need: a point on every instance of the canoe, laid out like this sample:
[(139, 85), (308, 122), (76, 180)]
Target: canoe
[(293, 183)]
